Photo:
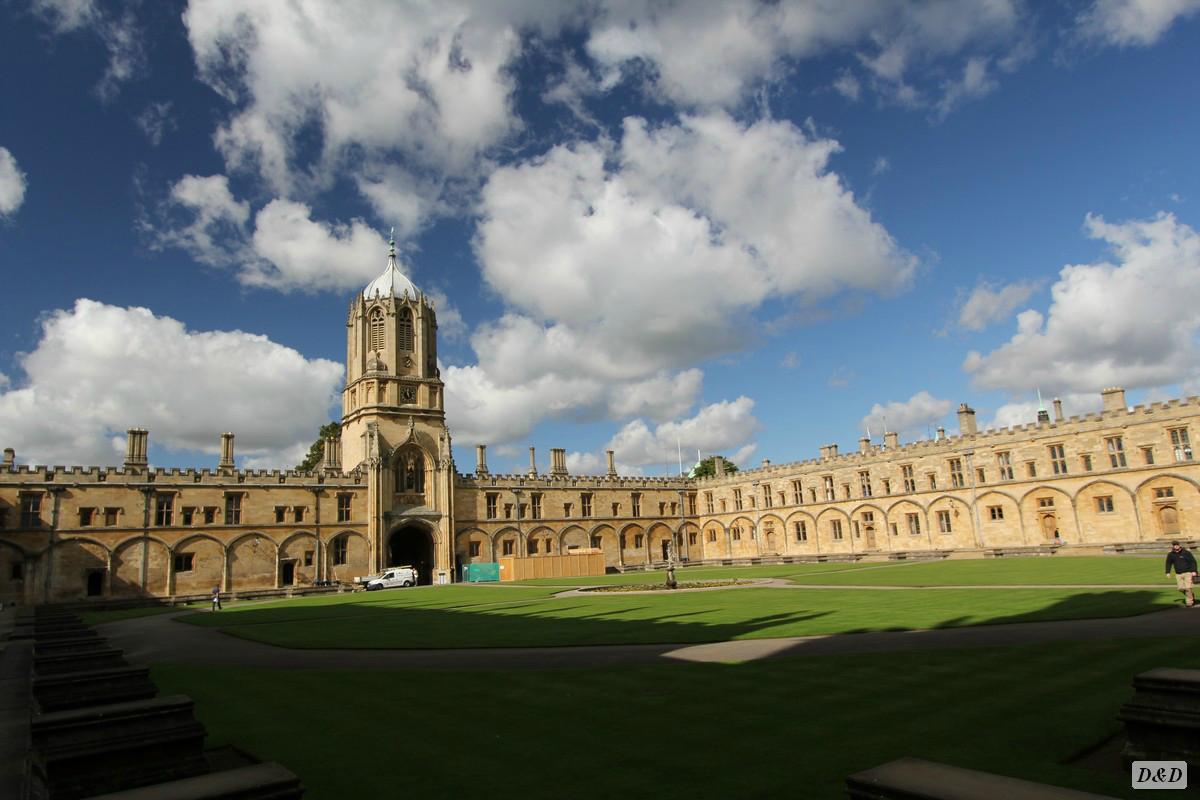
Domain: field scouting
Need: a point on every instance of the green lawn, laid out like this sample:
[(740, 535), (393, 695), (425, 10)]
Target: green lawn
[(100, 617), (789, 571), (1065, 571), (506, 616), (785, 728)]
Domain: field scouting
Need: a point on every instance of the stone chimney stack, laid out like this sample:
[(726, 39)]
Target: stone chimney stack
[(966, 419), (532, 463), (10, 458), (612, 463), (1058, 413), (1114, 398), (766, 462), (558, 462), (136, 442), (331, 460), (226, 461), (719, 466), (891, 440), (941, 433), (481, 459), (864, 444)]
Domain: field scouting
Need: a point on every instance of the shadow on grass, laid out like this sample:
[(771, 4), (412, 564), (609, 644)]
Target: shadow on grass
[(684, 619)]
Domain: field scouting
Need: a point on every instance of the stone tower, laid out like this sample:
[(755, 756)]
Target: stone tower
[(394, 424)]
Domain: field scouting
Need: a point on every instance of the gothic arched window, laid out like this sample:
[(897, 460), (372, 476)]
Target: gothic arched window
[(410, 472), (404, 330), (375, 331)]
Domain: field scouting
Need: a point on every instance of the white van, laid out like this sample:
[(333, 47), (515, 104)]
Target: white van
[(392, 577)]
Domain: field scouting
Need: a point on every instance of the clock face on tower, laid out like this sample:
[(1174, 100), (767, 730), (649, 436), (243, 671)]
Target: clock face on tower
[(408, 394)]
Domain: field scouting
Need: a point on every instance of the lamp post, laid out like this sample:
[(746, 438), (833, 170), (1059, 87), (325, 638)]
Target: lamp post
[(974, 498)]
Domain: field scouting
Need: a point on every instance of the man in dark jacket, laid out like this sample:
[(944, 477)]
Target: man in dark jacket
[(1185, 570)]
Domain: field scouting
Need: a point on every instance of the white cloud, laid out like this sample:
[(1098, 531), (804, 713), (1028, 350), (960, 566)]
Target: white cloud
[(790, 360), (590, 246), (120, 36), (715, 54), (99, 369), (881, 166), (987, 303), (716, 428), (976, 81), (1133, 323), (908, 417), (1126, 23), (848, 86), (427, 81), (12, 183), (155, 120), (1023, 412), (285, 249)]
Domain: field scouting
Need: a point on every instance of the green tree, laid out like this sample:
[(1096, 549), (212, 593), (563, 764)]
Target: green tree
[(705, 468), (317, 450)]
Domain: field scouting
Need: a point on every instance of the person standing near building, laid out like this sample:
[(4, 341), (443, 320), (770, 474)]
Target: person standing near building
[(216, 598), (1185, 570)]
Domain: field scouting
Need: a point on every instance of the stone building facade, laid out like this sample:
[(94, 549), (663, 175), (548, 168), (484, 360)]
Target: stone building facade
[(388, 493)]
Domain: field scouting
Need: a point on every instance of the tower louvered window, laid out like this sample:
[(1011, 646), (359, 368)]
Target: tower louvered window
[(405, 330), (375, 332)]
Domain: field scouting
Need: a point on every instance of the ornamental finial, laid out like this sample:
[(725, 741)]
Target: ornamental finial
[(392, 243)]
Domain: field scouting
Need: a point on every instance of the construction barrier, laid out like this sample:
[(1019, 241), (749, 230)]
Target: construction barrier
[(577, 563)]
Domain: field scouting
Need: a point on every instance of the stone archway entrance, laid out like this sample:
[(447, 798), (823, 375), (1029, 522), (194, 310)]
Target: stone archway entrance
[(412, 546)]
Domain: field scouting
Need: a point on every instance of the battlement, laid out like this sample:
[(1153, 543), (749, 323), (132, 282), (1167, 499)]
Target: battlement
[(990, 437), (471, 481), (59, 474)]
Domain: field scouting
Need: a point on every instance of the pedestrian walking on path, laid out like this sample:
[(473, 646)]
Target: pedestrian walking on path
[(216, 598), (1185, 571)]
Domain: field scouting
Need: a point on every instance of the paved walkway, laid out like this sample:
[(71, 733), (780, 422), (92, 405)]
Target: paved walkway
[(160, 639)]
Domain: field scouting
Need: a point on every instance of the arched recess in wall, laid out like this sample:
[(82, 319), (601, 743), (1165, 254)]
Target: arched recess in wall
[(472, 545), (80, 569), (1107, 512), (834, 537), (197, 565), (1169, 505), (1003, 527), (348, 555), (573, 537), (605, 537), (803, 538), (871, 519), (298, 559), (540, 541), (253, 561), (133, 556), (1049, 515)]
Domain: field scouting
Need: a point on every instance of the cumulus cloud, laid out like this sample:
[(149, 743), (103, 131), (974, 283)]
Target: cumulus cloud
[(12, 184), (119, 34), (716, 428), (909, 416), (1130, 23), (715, 54), (284, 248), (988, 303), (975, 81), (1023, 412), (99, 369), (590, 245), (1132, 323), (430, 83)]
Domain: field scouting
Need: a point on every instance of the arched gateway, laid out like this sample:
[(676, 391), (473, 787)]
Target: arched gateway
[(412, 546)]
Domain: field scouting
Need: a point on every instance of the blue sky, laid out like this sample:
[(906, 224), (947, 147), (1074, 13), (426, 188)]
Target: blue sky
[(750, 228)]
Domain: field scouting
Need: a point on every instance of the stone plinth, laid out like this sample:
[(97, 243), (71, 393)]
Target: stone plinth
[(268, 781), (58, 662), (917, 779), (72, 690), (1162, 720), (115, 747)]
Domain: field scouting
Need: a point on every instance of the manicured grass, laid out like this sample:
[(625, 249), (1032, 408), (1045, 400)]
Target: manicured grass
[(506, 616), (705, 574), (100, 617), (1064, 571), (785, 728)]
